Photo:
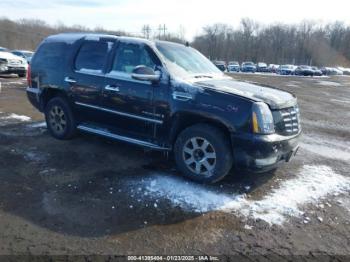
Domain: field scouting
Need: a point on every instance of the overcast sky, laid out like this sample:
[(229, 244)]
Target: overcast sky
[(130, 15)]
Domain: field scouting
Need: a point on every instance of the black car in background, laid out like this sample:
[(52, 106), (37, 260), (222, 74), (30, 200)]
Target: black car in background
[(262, 67), (163, 96), (221, 65), (304, 70), (317, 71), (248, 67)]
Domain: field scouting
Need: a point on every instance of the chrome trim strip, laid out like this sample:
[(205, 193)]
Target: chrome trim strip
[(122, 138), (112, 88), (69, 80), (121, 113), (182, 96)]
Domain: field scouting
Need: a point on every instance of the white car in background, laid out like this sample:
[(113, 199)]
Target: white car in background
[(12, 64), (27, 55)]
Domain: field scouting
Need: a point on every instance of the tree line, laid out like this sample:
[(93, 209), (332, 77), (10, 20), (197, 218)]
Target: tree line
[(304, 43), (28, 33)]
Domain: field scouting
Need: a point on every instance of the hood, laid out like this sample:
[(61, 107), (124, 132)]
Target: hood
[(275, 98), (7, 55)]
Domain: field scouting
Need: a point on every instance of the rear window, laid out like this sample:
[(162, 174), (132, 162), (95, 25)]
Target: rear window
[(92, 56), (50, 56)]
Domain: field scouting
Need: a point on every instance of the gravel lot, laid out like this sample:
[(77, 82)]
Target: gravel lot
[(92, 195)]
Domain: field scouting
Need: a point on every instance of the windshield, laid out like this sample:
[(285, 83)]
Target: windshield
[(27, 54), (186, 62), (248, 64)]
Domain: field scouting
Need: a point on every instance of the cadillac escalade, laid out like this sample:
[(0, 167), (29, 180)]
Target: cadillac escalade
[(164, 96)]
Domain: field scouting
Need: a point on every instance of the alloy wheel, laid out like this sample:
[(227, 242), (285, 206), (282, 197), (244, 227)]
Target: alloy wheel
[(199, 156), (57, 119)]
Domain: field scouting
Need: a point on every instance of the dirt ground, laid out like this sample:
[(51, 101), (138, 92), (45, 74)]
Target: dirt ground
[(91, 195)]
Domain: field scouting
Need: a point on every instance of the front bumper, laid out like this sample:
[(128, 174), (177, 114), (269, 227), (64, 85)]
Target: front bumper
[(248, 69), (12, 70), (33, 95), (262, 153)]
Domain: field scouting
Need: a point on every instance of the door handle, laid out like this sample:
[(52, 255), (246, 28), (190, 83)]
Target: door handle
[(69, 80), (112, 88)]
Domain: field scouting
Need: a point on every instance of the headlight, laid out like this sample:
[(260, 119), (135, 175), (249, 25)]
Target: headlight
[(262, 120)]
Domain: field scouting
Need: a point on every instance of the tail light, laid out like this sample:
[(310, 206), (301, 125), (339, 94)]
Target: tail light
[(29, 77)]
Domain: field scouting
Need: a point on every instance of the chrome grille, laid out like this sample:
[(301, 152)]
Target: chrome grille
[(287, 121)]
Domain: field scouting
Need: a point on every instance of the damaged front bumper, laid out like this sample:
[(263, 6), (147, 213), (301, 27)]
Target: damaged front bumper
[(262, 153)]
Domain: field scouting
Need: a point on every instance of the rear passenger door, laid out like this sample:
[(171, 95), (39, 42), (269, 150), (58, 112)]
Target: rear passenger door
[(86, 78), (130, 101)]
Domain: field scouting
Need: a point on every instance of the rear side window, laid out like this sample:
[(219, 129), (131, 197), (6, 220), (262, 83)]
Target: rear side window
[(92, 56), (50, 56)]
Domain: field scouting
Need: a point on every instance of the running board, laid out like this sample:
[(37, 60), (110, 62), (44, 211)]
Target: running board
[(121, 138)]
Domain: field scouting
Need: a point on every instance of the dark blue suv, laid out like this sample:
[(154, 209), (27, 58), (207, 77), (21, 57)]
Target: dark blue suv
[(163, 96)]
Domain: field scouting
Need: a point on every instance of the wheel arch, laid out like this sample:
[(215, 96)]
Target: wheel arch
[(182, 120), (49, 93)]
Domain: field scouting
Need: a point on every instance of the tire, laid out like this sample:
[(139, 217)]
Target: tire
[(22, 75), (214, 160), (60, 119)]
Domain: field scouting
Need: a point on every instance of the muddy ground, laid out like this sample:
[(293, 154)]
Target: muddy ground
[(91, 195)]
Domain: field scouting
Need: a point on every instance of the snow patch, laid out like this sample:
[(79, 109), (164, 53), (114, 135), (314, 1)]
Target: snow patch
[(37, 125), (327, 147), (341, 101), (17, 117), (310, 185), (328, 83)]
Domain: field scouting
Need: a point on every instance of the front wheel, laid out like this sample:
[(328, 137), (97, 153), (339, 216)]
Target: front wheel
[(60, 119), (203, 153)]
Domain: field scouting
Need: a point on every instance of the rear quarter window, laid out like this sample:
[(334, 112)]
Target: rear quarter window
[(50, 56), (92, 56)]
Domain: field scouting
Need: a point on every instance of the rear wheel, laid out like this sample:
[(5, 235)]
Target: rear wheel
[(59, 118), (203, 154)]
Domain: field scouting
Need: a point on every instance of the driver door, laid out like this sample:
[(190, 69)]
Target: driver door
[(129, 102)]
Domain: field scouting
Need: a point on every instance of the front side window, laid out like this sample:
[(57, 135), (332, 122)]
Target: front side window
[(130, 55), (92, 56)]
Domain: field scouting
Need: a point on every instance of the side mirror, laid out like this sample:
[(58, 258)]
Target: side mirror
[(144, 73)]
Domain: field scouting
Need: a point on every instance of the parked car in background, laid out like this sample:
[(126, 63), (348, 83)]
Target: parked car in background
[(273, 68), (317, 71), (339, 70), (221, 65), (3, 49), (326, 70), (248, 67), (233, 66), (12, 64), (304, 70), (331, 71), (346, 71), (27, 55), (154, 96), (262, 67), (285, 70)]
